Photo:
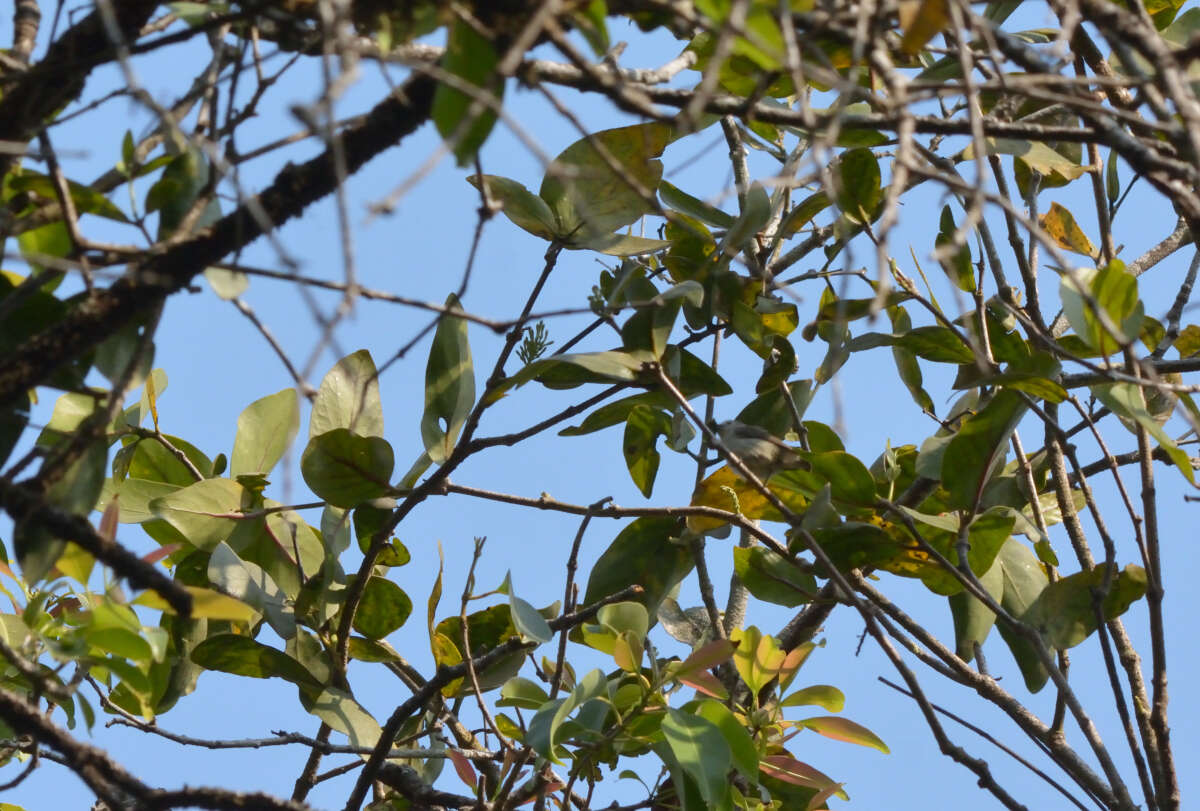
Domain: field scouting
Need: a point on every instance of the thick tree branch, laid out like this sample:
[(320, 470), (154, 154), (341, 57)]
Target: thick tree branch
[(59, 78), (149, 282)]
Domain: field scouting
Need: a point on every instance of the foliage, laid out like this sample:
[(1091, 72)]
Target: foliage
[(851, 111)]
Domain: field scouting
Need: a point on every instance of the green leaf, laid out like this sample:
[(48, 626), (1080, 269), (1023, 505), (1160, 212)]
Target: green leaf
[(471, 58), (702, 752), (86, 199), (973, 620), (772, 578), (693, 207), (1064, 611), (523, 207), (955, 261), (36, 549), (449, 384), (1128, 400), (741, 745), (754, 217), (979, 447), (528, 622), (617, 412), (339, 709), (1034, 155), (642, 553), (384, 608), (116, 353), (1112, 181), (523, 693), (51, 241), (851, 481), (758, 658), (174, 195), (248, 582), (619, 244), (843, 729), (859, 191), (1115, 292), (205, 513), (822, 695), (803, 213), (206, 604), (265, 429), (571, 370), (545, 727), (346, 469), (349, 398), (1024, 581), (585, 193), (642, 430), (243, 656)]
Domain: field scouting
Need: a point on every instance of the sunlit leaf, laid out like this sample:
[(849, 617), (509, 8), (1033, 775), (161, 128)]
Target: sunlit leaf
[(843, 729), (859, 192), (339, 710), (205, 513), (266, 428), (1060, 224)]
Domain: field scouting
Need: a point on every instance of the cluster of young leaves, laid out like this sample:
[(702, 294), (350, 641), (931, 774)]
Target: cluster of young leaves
[(701, 742)]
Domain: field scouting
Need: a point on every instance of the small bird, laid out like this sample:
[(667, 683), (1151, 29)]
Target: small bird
[(759, 450)]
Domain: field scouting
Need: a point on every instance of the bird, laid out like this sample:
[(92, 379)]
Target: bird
[(760, 451)]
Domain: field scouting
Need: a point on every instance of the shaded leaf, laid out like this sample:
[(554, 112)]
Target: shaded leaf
[(1065, 612), (859, 192), (702, 752), (643, 553), (979, 446), (346, 469), (772, 578), (384, 608), (471, 58), (243, 656), (339, 709), (449, 385), (523, 207)]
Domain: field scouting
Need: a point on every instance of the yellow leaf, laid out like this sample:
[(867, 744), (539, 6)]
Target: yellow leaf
[(921, 21), (1060, 224), (206, 604), (725, 490)]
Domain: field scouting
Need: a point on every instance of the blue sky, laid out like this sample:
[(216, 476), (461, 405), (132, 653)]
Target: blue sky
[(217, 363)]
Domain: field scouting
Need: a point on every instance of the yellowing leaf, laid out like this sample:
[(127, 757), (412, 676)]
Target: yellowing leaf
[(758, 658), (921, 21), (206, 604), (843, 729), (1060, 224), (725, 490)]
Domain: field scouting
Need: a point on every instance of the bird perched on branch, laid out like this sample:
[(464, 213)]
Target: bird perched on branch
[(759, 450)]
